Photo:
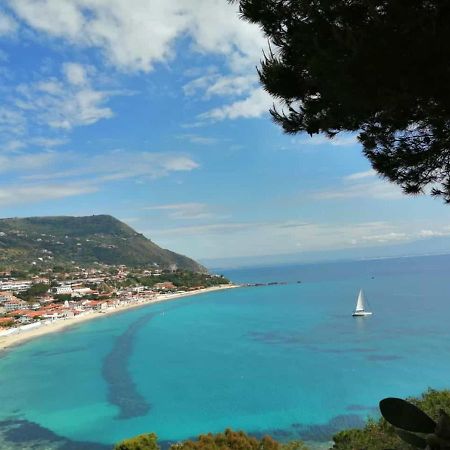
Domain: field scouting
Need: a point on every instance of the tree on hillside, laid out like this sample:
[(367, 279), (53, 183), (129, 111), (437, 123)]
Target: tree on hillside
[(379, 68), (35, 290), (141, 442), (229, 440)]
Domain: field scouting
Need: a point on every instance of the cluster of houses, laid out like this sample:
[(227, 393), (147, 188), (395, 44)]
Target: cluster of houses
[(80, 296)]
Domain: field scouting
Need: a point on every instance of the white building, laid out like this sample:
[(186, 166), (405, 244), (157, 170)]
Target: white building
[(138, 289), (15, 286), (15, 304), (80, 292), (61, 290)]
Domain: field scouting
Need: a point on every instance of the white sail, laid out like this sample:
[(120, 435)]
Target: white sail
[(360, 309), (360, 306)]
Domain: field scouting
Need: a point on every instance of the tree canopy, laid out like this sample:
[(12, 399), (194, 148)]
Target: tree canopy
[(379, 68), (141, 442), (229, 440)]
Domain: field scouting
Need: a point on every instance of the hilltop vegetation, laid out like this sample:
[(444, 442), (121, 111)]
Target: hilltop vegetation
[(83, 241), (229, 440)]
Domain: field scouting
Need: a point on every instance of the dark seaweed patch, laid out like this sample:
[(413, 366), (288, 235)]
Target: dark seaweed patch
[(271, 337), (23, 432), (324, 432), (122, 390)]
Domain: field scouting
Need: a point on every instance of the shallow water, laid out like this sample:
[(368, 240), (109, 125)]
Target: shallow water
[(285, 360)]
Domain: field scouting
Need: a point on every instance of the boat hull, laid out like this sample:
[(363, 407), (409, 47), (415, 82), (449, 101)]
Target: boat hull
[(361, 314)]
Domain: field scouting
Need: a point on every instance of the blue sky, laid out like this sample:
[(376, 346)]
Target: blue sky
[(151, 111)]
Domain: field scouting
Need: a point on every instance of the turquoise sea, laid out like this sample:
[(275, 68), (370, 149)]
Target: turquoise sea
[(288, 360)]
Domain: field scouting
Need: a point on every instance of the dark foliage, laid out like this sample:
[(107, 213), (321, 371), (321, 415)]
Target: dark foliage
[(229, 440), (34, 291), (380, 435), (183, 279), (376, 67), (414, 426), (142, 442)]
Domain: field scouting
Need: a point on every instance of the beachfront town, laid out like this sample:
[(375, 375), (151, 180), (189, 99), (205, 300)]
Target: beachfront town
[(41, 299)]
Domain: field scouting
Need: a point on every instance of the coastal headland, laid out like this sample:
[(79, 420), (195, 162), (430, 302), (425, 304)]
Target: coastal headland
[(20, 337)]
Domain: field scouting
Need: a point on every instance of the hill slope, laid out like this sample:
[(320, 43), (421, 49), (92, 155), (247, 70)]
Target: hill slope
[(49, 241)]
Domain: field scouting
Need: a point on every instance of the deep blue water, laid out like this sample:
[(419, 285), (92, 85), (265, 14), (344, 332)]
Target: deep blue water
[(287, 360)]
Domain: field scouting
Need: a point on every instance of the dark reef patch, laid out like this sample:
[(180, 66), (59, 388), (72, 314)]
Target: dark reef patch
[(325, 431), (270, 337), (343, 350), (20, 433), (122, 390)]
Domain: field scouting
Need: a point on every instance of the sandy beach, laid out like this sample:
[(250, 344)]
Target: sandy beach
[(18, 338)]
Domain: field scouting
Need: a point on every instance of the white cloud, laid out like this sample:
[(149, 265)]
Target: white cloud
[(118, 165), (7, 24), (360, 185), (445, 231), (361, 175), (382, 238), (86, 176), (199, 84), (48, 142), (25, 162), (64, 103), (183, 210), (231, 239), (206, 231), (75, 74), (18, 144), (380, 190), (12, 121), (255, 105), (196, 139), (59, 18), (171, 163), (13, 145), (137, 34), (221, 85), (41, 192)]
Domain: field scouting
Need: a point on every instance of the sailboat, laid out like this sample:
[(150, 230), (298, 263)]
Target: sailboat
[(360, 309)]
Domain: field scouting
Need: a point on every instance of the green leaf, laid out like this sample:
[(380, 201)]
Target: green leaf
[(406, 416), (412, 439)]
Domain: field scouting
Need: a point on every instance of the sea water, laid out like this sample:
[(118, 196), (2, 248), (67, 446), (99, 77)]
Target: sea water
[(287, 360)]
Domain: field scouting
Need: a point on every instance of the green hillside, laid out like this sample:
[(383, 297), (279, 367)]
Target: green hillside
[(83, 241)]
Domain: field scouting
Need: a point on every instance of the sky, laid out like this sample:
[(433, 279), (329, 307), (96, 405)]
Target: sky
[(151, 111)]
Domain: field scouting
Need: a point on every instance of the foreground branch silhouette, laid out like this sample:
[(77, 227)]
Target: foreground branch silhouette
[(379, 68)]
